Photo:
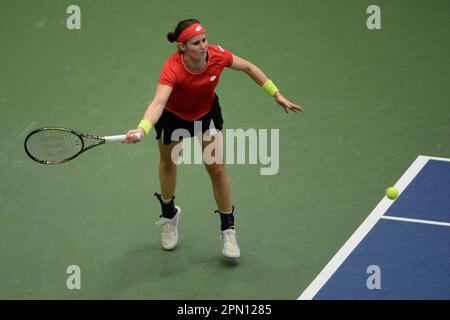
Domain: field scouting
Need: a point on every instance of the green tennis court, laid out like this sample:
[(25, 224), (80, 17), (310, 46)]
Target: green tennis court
[(373, 101)]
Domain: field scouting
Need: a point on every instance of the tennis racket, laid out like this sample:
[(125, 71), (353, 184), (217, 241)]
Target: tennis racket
[(55, 145)]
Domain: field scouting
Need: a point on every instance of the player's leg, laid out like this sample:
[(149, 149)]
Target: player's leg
[(221, 184), (169, 212), (214, 164), (167, 169)]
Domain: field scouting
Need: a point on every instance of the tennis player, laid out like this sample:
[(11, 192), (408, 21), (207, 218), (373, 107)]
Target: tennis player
[(185, 94)]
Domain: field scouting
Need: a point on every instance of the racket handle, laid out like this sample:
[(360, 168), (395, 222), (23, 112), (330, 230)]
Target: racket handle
[(120, 137)]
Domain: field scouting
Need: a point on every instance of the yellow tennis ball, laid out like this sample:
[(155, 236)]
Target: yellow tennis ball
[(391, 193)]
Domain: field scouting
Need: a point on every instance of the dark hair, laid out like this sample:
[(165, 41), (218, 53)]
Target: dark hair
[(182, 25)]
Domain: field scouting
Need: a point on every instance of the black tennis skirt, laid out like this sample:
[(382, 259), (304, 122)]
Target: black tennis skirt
[(169, 122)]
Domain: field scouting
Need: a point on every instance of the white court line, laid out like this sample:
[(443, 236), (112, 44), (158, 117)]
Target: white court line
[(436, 158), (417, 221), (364, 229)]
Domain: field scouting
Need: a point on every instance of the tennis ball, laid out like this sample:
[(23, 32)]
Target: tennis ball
[(391, 193)]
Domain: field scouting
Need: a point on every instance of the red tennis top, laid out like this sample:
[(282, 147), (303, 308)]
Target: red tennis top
[(193, 93)]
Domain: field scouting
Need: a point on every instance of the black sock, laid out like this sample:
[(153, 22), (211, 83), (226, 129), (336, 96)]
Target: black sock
[(168, 209), (226, 220)]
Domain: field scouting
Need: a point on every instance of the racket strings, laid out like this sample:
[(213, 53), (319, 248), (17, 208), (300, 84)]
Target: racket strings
[(54, 145)]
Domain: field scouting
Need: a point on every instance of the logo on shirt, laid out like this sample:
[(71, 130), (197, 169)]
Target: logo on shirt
[(220, 48), (212, 78)]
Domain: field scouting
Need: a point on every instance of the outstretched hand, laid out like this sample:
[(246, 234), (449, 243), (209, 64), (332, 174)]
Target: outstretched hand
[(286, 104)]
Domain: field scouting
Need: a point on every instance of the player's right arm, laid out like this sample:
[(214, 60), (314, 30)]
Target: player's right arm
[(153, 112)]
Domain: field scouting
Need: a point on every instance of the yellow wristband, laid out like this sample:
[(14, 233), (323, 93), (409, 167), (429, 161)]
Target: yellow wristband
[(146, 125), (270, 88)]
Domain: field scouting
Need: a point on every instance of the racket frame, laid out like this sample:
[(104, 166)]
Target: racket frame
[(101, 140)]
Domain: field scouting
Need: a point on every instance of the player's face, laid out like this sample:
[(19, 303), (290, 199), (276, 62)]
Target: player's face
[(197, 47)]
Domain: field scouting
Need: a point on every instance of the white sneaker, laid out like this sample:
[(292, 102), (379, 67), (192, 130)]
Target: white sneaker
[(169, 233), (230, 246)]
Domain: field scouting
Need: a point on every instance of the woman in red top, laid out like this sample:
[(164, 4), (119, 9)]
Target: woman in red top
[(184, 94)]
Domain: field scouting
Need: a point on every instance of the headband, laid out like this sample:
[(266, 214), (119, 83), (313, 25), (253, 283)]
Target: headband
[(190, 32)]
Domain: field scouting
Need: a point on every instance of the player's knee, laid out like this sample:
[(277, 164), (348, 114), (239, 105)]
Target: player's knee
[(216, 171)]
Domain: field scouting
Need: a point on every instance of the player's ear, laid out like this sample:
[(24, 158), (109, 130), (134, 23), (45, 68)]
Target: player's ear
[(182, 46)]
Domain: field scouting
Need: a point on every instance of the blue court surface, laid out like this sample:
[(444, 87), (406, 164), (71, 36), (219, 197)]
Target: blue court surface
[(402, 249)]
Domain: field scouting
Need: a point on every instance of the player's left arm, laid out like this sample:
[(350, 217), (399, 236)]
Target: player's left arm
[(260, 78)]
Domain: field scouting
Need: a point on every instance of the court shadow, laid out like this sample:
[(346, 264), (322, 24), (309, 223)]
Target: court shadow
[(218, 261), (146, 271), (144, 264), (228, 263)]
